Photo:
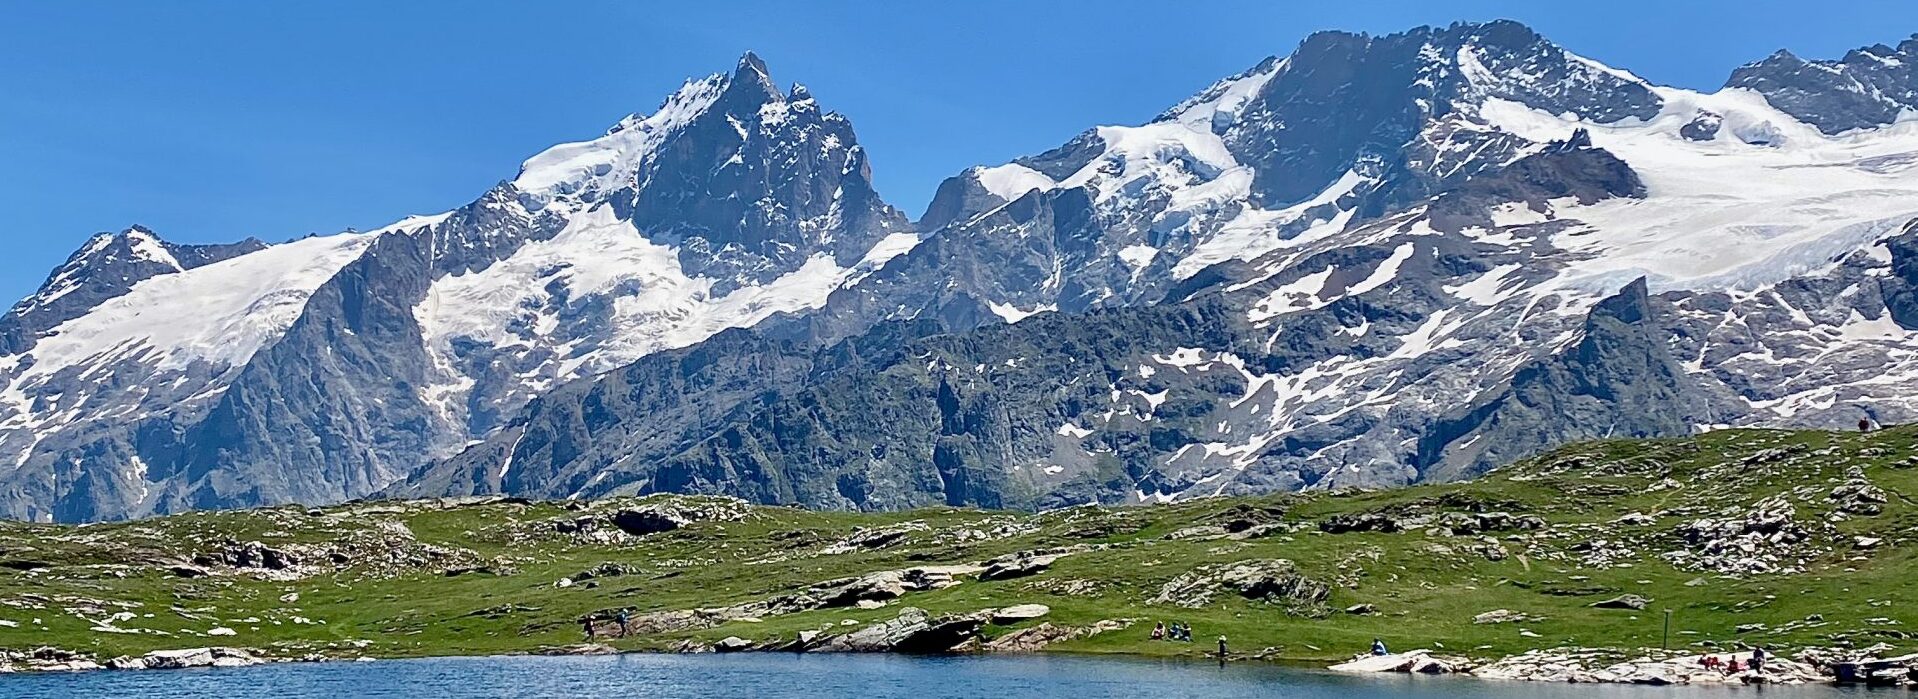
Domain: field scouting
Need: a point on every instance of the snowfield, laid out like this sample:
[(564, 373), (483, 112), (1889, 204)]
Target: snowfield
[(220, 313), (1770, 198)]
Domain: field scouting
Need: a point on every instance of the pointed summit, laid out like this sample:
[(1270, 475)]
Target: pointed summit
[(752, 61), (752, 70), (1783, 56)]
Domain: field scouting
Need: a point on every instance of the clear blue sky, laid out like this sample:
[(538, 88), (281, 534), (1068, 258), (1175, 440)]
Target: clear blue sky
[(212, 121)]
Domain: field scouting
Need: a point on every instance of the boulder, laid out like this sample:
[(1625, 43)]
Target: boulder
[(847, 592), (608, 569), (913, 631), (1500, 616), (1625, 601), (1204, 531), (928, 579), (875, 538), (179, 659), (582, 649), (1036, 638), (644, 521), (197, 657), (1419, 661), (943, 635), (187, 571), (732, 644), (675, 620), (1016, 565), (1275, 581), (1858, 496), (1360, 522), (1019, 612), (1259, 531)]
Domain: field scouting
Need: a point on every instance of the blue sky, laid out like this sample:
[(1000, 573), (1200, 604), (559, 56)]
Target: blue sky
[(213, 121)]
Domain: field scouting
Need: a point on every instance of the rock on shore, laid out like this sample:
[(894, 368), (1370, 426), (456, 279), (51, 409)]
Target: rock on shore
[(1593, 665)]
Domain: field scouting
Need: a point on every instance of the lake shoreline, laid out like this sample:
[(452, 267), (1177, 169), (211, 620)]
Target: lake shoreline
[(802, 675), (1545, 666)]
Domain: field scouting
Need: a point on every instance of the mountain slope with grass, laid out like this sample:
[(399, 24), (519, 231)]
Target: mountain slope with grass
[(1792, 540)]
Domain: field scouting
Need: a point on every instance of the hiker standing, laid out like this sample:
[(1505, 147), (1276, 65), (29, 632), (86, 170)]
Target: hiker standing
[(587, 623), (1222, 649), (1758, 659), (624, 630)]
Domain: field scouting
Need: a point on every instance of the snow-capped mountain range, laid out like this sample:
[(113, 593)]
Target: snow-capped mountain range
[(1374, 261)]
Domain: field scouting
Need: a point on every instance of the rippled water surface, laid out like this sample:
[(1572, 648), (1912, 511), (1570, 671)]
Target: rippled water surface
[(816, 676)]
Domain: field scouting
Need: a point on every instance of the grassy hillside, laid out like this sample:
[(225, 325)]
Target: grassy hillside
[(1586, 524)]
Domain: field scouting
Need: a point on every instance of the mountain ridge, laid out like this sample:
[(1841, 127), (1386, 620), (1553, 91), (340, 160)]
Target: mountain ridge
[(1410, 248)]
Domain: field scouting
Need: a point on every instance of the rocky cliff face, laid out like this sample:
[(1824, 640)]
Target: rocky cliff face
[(1619, 380)]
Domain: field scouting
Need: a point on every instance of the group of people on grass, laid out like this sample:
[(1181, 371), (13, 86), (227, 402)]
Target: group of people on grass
[(1731, 666), (1178, 631), (592, 632)]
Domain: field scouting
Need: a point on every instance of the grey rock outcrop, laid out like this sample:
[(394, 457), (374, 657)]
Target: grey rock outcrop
[(1868, 87), (913, 631), (1275, 581)]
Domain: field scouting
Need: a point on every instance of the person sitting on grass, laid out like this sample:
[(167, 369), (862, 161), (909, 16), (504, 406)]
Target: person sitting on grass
[(1378, 647), (1158, 631)]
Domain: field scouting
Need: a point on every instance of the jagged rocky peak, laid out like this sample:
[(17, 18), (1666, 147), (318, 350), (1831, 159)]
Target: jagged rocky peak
[(1343, 98), (1340, 103), (1346, 129), (1869, 87), (748, 180)]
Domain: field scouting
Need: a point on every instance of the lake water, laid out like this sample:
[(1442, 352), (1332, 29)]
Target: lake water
[(821, 677)]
